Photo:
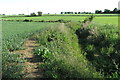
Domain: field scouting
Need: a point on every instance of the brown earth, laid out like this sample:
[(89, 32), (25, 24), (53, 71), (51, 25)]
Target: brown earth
[(32, 62)]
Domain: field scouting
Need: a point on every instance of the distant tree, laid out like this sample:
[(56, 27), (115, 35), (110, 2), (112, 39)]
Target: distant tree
[(89, 13), (98, 11), (65, 12), (107, 11), (75, 12), (118, 12), (21, 14), (39, 13), (33, 14), (71, 12), (115, 10), (61, 12), (78, 12)]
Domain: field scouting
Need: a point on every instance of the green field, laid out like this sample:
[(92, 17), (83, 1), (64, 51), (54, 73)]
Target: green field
[(14, 33), (46, 18), (99, 19), (107, 20)]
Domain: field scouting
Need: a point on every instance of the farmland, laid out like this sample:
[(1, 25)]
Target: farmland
[(100, 18), (14, 33), (46, 18), (66, 49), (107, 20)]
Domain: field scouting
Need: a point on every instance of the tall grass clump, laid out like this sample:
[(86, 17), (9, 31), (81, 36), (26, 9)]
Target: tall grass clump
[(61, 54)]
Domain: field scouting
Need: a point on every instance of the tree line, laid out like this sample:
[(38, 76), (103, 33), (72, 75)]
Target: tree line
[(107, 11), (75, 13), (39, 14)]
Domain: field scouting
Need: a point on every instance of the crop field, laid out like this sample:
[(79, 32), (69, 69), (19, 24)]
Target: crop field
[(14, 33), (107, 20), (84, 47), (46, 18), (99, 18)]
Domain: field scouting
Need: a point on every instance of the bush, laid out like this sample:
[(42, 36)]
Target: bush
[(43, 53), (100, 45)]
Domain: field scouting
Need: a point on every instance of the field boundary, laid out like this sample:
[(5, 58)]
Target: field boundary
[(52, 21)]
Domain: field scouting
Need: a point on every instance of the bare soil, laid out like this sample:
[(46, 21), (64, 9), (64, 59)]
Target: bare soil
[(32, 62)]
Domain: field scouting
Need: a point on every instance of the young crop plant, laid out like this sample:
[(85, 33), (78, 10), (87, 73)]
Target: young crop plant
[(12, 66)]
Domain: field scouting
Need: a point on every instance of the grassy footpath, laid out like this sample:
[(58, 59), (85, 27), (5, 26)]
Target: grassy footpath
[(95, 55), (61, 53)]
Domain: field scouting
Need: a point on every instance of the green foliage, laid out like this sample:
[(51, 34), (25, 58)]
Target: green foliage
[(63, 58), (12, 66), (89, 19), (39, 13), (43, 53), (73, 25), (33, 14), (100, 45), (14, 34)]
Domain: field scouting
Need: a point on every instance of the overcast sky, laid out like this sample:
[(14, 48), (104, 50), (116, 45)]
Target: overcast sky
[(54, 6)]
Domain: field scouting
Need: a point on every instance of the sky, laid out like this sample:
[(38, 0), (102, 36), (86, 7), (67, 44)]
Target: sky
[(54, 6)]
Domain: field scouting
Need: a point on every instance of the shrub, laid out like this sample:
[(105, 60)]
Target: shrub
[(100, 45)]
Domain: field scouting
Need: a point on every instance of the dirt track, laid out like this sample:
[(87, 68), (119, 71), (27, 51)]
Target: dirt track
[(31, 65)]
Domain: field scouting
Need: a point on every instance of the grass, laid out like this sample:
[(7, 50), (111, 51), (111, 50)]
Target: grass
[(61, 53), (107, 20)]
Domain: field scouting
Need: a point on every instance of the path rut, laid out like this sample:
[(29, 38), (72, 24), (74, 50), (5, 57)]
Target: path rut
[(31, 64)]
